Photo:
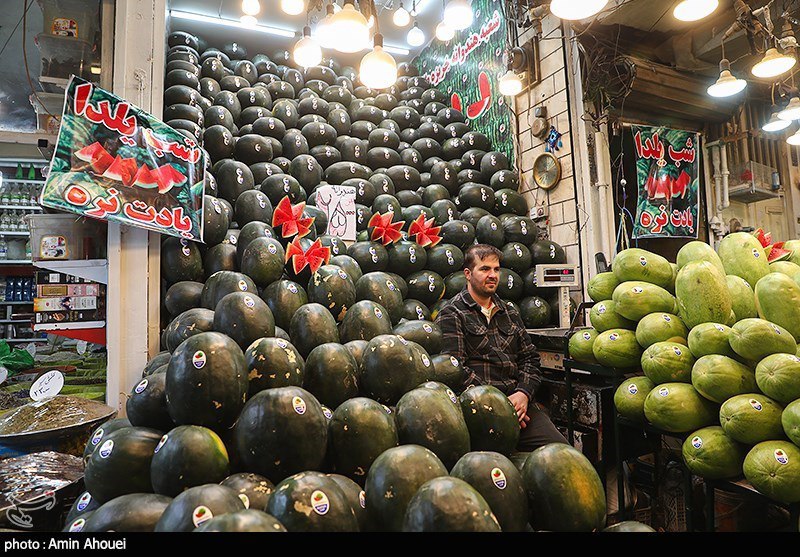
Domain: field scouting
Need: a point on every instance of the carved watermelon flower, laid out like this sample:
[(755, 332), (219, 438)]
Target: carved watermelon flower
[(383, 229), (290, 218), (424, 232), (314, 257), (775, 251)]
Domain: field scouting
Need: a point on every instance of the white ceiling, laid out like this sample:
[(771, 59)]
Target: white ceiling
[(429, 15)]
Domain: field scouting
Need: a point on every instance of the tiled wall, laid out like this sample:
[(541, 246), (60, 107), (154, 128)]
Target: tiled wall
[(550, 92)]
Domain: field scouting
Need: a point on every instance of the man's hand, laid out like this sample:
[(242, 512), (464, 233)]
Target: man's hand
[(520, 402)]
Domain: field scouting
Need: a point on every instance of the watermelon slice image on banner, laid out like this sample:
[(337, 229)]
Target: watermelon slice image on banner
[(122, 170), (455, 101), (168, 177), (479, 107), (94, 157), (145, 178)]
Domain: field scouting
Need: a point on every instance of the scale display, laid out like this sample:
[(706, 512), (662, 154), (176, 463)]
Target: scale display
[(557, 275)]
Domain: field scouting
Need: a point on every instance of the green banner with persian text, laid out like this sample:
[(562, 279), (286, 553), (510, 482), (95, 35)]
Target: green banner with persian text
[(468, 68), (668, 177)]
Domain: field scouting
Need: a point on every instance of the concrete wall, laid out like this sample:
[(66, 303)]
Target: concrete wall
[(550, 92)]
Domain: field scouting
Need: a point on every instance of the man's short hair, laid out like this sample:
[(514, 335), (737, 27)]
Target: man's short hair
[(479, 252)]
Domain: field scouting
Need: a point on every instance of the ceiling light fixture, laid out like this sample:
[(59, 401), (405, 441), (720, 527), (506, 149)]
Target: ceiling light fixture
[(576, 9), (293, 7), (251, 7), (510, 84), (401, 17), (307, 51), (792, 110), (415, 36), (727, 85), (444, 32), (794, 139), (230, 23), (350, 29), (378, 69), (773, 64), (695, 10), (775, 124), (458, 14)]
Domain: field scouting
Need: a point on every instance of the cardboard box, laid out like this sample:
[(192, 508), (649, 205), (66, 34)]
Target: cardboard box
[(65, 303), (61, 290)]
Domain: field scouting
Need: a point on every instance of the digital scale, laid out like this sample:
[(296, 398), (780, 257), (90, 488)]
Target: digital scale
[(550, 342)]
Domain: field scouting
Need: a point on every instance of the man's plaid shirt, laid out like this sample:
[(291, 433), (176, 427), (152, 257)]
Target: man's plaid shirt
[(499, 353)]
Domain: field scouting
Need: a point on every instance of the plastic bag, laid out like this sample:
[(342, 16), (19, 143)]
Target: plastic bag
[(14, 360)]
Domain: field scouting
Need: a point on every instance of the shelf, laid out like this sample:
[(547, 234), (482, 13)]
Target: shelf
[(57, 81), (18, 207), (69, 326), (22, 181), (14, 233), (15, 303), (16, 262), (35, 339), (11, 321), (95, 270)]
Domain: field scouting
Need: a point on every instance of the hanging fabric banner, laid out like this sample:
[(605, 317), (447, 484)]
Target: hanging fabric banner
[(467, 69), (114, 161), (668, 178)]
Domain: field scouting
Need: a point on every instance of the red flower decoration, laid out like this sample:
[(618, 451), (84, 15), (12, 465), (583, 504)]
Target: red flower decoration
[(315, 256), (290, 218), (383, 229), (423, 231)]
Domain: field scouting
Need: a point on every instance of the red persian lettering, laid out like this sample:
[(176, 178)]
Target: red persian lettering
[(652, 148), (116, 120)]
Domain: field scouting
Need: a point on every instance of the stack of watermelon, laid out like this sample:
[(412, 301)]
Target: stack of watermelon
[(720, 359), (302, 386)]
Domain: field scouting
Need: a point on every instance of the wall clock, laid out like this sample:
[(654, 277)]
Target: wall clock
[(546, 171)]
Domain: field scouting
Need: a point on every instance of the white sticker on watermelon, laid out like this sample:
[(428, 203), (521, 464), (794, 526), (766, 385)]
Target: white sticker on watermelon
[(666, 317), (242, 286), (601, 309), (106, 448), (633, 389), (757, 406), (587, 336), (199, 359), (320, 503), (327, 412), (299, 405), (697, 442), (362, 499), (161, 442), (781, 456), (720, 328), (454, 361), (498, 478), (663, 391), (140, 387), (245, 500), (452, 396), (201, 514), (613, 336)]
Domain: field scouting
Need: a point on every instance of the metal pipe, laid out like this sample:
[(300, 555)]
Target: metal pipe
[(723, 155), (715, 160), (603, 158)]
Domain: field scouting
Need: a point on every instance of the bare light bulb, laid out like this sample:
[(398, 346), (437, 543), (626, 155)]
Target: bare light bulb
[(293, 7), (458, 14), (576, 9), (444, 32), (401, 17), (695, 10), (251, 7), (307, 51), (415, 36)]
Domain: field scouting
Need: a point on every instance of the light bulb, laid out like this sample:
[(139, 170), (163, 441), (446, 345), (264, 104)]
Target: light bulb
[(378, 69), (307, 51), (371, 22), (792, 110), (415, 37), (325, 38), (401, 17), (794, 139), (293, 7), (576, 9), (727, 85), (773, 64), (775, 124), (249, 20), (444, 32), (251, 7), (350, 30), (458, 14), (510, 84), (694, 10)]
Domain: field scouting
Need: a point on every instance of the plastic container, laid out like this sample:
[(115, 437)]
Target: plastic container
[(48, 107), (62, 236), (70, 18), (64, 56)]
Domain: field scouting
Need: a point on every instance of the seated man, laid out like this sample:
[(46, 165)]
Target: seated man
[(488, 337)]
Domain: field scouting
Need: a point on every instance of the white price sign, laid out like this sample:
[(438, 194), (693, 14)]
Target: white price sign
[(47, 386), (339, 204)]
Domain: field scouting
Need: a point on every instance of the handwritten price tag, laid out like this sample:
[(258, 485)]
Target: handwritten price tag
[(47, 386), (81, 346)]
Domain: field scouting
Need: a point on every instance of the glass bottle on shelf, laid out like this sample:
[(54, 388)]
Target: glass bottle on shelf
[(2, 289), (5, 196), (33, 196), (5, 219), (3, 248), (17, 195), (22, 224), (12, 221)]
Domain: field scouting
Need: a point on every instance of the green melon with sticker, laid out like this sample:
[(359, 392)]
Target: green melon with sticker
[(500, 483), (742, 255), (601, 286), (333, 288), (791, 270), (188, 456), (580, 346), (248, 520), (702, 293), (630, 396), (679, 408), (490, 418), (660, 327), (448, 371), (636, 264), (777, 299), (331, 374), (425, 333), (751, 418), (382, 289), (711, 454), (719, 378), (637, 299), (312, 502), (773, 467), (755, 339), (743, 299), (667, 362), (790, 420), (698, 251), (778, 377), (604, 316), (449, 504), (617, 348), (389, 368), (196, 506), (710, 338)]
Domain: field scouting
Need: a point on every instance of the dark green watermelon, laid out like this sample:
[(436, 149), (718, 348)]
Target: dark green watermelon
[(370, 256), (489, 230), (331, 287), (250, 232), (263, 260), (509, 201), (181, 261), (83, 504), (256, 489), (459, 233), (190, 322), (425, 286), (248, 520), (448, 371), (331, 374), (198, 505), (380, 288), (100, 433), (183, 295), (509, 285), (244, 317), (491, 419), (133, 512), (546, 252), (284, 298), (356, 348), (389, 369), (312, 325), (535, 312), (188, 456), (364, 321), (147, 403), (453, 284), (221, 257), (425, 333), (449, 505), (357, 498), (268, 430), (223, 283), (414, 309), (406, 258), (519, 229), (516, 257), (206, 381), (312, 502), (348, 265), (271, 363), (360, 430)]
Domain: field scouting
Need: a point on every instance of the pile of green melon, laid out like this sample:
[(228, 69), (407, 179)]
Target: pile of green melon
[(712, 341), (307, 391)]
